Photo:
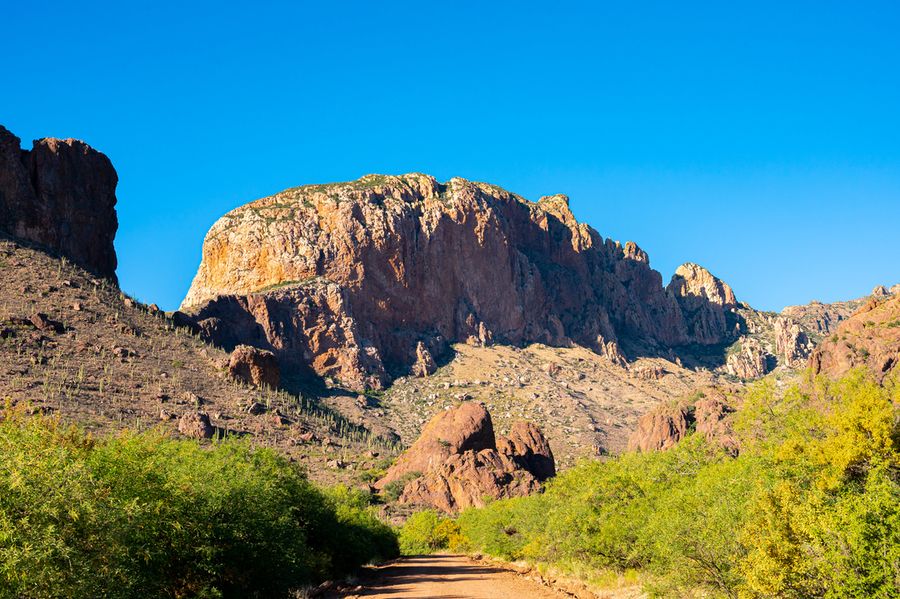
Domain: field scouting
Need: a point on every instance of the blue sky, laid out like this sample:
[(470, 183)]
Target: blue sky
[(761, 139)]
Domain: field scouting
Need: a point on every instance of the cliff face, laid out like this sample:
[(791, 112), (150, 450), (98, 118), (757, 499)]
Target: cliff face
[(350, 278), (61, 195)]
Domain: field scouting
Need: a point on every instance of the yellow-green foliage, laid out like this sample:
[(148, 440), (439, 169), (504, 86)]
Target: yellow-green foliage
[(811, 507), (141, 515), (427, 532)]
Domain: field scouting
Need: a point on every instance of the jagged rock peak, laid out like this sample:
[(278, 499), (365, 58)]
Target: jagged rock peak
[(694, 280), (705, 302), (60, 195)]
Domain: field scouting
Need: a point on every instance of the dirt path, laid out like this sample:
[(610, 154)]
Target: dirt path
[(449, 577)]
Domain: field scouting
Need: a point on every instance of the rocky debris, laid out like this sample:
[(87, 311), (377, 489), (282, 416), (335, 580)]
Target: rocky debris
[(196, 425), (791, 343), (425, 364), (870, 338), (704, 301), (665, 425), (254, 366), (124, 352), (895, 289), (346, 278), (457, 461), (748, 363), (60, 195)]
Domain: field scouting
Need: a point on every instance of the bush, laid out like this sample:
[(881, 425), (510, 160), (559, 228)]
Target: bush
[(427, 532), (141, 515), (810, 508)]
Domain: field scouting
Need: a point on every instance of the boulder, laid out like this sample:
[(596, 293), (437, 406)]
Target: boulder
[(457, 462), (254, 366), (196, 425), (528, 447), (661, 428), (467, 480), (467, 427)]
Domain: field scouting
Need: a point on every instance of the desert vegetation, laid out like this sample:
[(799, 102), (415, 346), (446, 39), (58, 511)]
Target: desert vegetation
[(143, 515), (809, 508)]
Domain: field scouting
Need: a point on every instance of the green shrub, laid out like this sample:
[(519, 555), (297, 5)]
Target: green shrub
[(140, 515), (427, 532), (810, 508)]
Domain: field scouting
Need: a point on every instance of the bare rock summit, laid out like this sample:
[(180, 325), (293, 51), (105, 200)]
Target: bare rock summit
[(61, 195)]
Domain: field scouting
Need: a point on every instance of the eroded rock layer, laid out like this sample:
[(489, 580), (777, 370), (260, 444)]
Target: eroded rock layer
[(356, 279)]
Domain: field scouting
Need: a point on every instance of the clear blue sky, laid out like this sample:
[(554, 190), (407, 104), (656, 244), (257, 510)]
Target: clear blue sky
[(760, 139)]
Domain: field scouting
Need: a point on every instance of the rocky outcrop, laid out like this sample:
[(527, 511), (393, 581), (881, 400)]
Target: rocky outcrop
[(791, 343), (749, 362), (60, 195), (665, 425), (661, 428), (348, 279), (457, 462), (254, 366), (424, 364), (870, 338), (704, 301)]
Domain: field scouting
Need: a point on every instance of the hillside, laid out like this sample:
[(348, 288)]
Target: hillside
[(73, 345)]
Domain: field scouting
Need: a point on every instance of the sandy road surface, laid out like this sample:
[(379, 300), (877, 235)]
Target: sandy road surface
[(449, 577)]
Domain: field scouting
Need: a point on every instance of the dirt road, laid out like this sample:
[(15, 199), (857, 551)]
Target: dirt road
[(449, 577)]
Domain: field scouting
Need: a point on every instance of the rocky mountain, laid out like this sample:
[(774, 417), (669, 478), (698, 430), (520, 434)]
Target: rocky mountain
[(61, 194), (364, 280)]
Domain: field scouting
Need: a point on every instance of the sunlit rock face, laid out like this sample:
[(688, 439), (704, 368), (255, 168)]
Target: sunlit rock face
[(356, 280)]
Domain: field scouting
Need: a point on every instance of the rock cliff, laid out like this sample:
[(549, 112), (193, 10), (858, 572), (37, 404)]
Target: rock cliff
[(361, 280), (870, 338), (60, 195)]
